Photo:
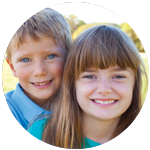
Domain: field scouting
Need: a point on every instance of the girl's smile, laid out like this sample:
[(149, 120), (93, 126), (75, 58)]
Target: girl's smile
[(104, 102)]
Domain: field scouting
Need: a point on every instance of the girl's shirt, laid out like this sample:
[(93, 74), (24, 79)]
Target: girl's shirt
[(32, 139), (91, 145)]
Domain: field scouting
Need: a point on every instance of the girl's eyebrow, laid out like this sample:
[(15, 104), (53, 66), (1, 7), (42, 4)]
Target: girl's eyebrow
[(113, 69), (121, 69)]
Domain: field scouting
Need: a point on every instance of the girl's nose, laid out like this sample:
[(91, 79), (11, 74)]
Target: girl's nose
[(104, 87)]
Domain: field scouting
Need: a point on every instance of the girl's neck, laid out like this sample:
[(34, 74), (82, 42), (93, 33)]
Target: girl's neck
[(100, 131)]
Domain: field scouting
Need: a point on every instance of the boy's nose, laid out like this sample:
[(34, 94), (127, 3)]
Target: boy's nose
[(39, 69), (104, 87)]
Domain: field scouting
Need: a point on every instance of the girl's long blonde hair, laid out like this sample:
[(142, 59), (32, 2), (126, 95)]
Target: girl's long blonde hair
[(99, 47)]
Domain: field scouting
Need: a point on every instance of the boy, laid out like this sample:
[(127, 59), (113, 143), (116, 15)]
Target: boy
[(36, 56)]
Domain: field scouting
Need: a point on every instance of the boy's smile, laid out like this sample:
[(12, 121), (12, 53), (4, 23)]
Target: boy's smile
[(39, 68), (105, 94), (42, 85)]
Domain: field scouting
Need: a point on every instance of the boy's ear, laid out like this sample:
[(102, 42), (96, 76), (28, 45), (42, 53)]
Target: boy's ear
[(11, 67)]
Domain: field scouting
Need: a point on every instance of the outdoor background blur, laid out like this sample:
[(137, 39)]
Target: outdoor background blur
[(140, 24)]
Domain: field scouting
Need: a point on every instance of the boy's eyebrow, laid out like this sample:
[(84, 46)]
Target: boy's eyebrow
[(52, 50), (90, 70)]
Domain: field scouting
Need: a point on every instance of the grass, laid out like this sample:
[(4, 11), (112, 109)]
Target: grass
[(9, 81)]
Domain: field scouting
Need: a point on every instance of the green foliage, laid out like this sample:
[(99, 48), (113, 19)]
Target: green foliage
[(74, 22), (86, 26), (82, 28), (141, 25)]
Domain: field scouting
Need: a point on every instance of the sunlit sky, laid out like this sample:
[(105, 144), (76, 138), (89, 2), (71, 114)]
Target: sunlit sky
[(90, 11)]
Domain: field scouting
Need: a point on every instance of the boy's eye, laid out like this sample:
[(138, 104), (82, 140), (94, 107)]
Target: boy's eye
[(25, 60), (50, 56), (89, 77)]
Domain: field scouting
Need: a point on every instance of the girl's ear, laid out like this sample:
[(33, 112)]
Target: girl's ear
[(11, 67)]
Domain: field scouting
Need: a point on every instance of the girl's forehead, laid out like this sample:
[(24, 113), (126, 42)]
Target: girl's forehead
[(97, 68), (112, 68)]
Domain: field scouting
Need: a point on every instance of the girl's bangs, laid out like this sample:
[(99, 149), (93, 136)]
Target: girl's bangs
[(103, 48)]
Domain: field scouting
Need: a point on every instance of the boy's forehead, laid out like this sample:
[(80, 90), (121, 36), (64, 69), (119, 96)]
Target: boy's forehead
[(28, 39)]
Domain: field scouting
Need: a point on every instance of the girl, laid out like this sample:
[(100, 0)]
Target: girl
[(100, 94)]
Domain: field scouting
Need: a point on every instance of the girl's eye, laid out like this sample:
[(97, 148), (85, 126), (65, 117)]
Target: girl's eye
[(51, 56), (89, 77), (25, 60), (119, 77)]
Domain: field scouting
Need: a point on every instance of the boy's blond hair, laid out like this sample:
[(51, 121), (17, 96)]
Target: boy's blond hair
[(48, 23)]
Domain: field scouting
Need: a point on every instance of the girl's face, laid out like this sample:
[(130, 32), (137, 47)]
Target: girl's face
[(105, 94)]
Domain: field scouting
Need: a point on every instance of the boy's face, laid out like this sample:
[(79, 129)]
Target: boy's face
[(39, 68)]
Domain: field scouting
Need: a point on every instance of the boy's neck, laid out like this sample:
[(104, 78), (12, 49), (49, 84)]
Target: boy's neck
[(100, 131), (39, 102)]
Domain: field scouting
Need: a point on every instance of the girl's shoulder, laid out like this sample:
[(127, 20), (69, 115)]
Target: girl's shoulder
[(146, 137), (37, 125)]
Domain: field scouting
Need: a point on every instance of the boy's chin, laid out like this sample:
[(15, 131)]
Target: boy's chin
[(39, 99)]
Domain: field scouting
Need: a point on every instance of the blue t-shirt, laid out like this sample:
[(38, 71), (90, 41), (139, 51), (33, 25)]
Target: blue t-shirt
[(32, 139), (16, 112)]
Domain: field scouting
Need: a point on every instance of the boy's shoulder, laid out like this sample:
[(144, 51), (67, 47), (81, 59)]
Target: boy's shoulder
[(23, 108), (6, 99), (10, 129), (16, 111), (10, 112), (14, 95)]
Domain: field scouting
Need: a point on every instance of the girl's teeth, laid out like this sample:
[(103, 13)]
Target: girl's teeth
[(42, 83), (104, 102)]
